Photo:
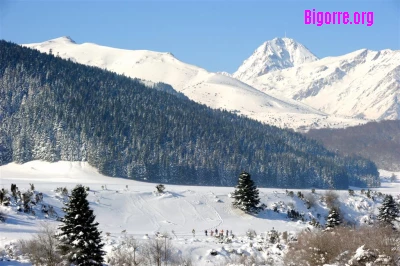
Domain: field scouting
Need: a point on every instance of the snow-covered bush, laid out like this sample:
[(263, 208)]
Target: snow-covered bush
[(309, 200), (160, 188), (126, 253), (251, 233), (331, 199), (63, 191), (41, 249)]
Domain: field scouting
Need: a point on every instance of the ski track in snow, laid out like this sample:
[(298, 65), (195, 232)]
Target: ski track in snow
[(181, 208)]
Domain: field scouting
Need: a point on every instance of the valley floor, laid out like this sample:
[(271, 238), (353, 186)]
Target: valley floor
[(131, 206)]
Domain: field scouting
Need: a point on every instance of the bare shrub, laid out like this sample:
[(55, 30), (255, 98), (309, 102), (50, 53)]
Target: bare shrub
[(310, 200), (41, 249), (393, 178), (331, 199), (251, 234), (126, 253), (338, 246), (156, 251), (290, 205), (63, 191)]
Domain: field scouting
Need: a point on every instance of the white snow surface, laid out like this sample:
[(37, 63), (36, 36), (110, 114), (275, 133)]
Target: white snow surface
[(216, 90), (276, 54), (140, 211), (362, 84)]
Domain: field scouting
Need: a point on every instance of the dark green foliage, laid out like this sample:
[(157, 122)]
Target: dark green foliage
[(14, 188), (368, 193), (314, 223), (290, 193), (246, 195), (273, 236), (333, 219), (300, 195), (389, 210), (3, 217), (80, 241), (3, 195), (377, 141), (53, 109), (160, 188), (294, 215), (27, 201)]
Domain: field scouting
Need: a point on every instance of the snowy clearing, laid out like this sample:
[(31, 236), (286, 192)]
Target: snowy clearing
[(135, 207)]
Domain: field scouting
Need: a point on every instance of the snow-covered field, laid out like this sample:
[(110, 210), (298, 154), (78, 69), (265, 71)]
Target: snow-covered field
[(135, 207)]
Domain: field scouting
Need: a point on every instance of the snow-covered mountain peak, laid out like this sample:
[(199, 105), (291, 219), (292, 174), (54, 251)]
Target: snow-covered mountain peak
[(276, 54), (216, 90), (363, 84), (62, 40)]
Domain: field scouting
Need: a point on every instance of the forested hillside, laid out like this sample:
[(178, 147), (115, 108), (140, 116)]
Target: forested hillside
[(52, 109), (378, 141)]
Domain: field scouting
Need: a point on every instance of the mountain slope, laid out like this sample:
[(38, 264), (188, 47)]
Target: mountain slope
[(377, 141), (216, 90), (53, 109), (277, 54), (361, 84)]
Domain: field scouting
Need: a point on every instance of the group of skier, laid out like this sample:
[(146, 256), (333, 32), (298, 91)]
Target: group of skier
[(221, 233)]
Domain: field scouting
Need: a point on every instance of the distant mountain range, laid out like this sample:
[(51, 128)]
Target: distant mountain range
[(216, 90), (361, 84), (282, 83), (54, 109)]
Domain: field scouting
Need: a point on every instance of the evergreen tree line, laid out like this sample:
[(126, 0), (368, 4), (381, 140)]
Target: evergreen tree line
[(377, 141), (53, 109)]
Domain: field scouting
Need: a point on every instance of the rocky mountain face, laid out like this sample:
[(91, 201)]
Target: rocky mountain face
[(276, 54), (362, 84)]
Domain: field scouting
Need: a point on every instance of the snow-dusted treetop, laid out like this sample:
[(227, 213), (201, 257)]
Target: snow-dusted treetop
[(276, 54)]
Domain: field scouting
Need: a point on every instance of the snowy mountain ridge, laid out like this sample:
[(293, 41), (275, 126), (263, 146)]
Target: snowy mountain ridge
[(276, 54), (362, 84), (216, 90)]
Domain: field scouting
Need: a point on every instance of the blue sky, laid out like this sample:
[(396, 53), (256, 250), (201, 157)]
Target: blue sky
[(216, 35)]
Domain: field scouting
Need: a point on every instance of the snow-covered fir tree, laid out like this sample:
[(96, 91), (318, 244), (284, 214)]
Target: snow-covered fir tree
[(389, 211), (333, 219), (246, 195), (80, 241)]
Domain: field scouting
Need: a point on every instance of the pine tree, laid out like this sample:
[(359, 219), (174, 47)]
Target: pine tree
[(246, 195), (389, 211), (333, 219), (80, 241)]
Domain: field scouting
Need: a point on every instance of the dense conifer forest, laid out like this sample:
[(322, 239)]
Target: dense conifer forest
[(53, 109), (377, 141)]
